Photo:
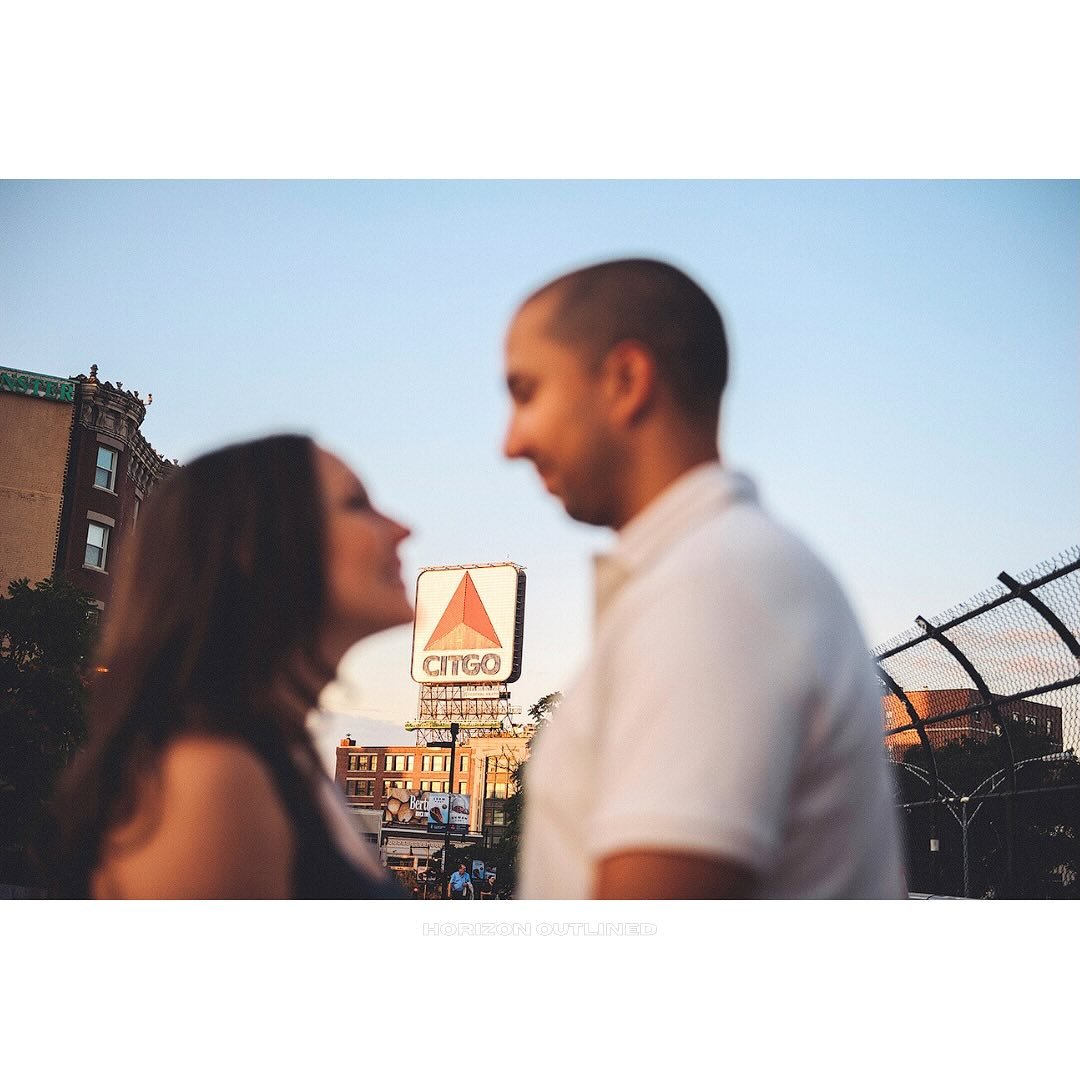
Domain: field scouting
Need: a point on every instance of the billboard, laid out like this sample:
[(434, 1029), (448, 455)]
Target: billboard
[(433, 809), (405, 807), (444, 809), (469, 624)]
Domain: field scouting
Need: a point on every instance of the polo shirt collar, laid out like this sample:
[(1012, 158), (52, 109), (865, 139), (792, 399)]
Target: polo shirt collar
[(692, 498)]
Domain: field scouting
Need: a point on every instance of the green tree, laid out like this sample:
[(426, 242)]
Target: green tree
[(46, 634), (543, 710), (506, 855)]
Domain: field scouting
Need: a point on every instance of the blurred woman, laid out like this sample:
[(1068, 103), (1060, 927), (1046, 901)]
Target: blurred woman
[(254, 569)]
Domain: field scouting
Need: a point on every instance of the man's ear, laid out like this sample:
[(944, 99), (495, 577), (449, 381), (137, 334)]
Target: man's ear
[(629, 370)]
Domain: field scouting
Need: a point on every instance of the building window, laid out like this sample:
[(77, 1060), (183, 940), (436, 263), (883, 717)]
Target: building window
[(391, 785), (399, 763), (105, 473), (97, 545), (463, 787), (357, 788), (463, 763)]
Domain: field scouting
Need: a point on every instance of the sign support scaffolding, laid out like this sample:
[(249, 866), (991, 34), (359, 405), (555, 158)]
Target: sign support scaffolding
[(479, 709)]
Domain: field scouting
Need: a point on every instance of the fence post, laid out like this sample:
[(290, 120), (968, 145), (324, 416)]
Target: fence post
[(920, 728)]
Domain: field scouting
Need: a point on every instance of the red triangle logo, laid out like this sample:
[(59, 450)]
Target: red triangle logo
[(464, 623)]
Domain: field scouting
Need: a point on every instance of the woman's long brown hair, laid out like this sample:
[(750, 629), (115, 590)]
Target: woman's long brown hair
[(217, 609)]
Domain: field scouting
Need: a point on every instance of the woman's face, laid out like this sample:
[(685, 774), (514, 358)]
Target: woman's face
[(365, 592)]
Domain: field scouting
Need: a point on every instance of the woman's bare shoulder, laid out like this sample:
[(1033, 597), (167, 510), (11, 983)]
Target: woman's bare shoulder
[(215, 765), (210, 824)]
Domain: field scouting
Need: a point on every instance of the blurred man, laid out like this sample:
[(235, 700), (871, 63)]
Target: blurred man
[(725, 737)]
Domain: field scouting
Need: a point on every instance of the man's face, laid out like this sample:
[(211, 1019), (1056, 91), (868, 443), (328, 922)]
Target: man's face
[(557, 418)]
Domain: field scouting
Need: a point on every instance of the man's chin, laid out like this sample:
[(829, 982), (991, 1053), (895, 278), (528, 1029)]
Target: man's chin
[(586, 513), (580, 509)]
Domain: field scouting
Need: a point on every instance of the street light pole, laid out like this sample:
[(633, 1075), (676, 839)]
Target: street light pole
[(992, 779), (454, 728), (964, 840), (965, 818)]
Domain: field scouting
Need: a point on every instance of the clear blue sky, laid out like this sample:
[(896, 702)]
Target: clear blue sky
[(905, 387)]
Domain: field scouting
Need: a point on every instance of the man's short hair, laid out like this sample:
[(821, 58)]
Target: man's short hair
[(653, 303)]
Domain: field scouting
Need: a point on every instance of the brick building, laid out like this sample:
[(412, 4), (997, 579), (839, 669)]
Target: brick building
[(74, 470), (1044, 720), (369, 776)]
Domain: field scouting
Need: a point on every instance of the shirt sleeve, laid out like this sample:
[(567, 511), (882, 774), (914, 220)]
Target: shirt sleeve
[(700, 692)]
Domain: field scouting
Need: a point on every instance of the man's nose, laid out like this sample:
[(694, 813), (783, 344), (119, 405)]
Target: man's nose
[(512, 442)]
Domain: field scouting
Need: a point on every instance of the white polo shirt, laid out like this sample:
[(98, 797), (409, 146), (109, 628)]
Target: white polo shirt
[(729, 709)]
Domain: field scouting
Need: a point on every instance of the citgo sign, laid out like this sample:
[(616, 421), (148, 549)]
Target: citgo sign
[(469, 624)]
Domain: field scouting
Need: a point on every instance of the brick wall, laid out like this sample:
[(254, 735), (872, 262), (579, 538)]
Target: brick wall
[(34, 440)]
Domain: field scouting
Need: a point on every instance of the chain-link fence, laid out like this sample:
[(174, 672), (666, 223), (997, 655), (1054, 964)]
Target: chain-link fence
[(982, 723)]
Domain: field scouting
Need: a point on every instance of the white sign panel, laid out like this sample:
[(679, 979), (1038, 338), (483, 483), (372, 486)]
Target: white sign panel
[(443, 809), (468, 624)]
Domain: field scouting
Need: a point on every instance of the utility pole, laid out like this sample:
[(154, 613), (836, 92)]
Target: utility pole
[(450, 783)]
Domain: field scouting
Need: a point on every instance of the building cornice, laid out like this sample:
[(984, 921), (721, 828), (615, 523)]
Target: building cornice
[(117, 413)]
